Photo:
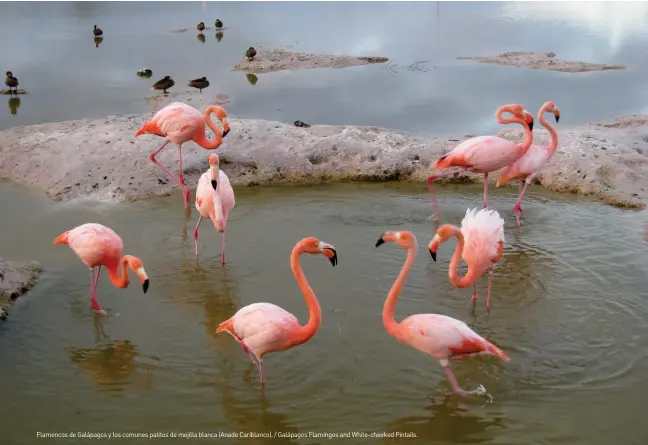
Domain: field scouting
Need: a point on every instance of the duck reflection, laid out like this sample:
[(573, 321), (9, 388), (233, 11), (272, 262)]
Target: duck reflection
[(219, 36), (201, 37), (97, 41), (111, 364), (14, 104), (252, 78), (447, 422)]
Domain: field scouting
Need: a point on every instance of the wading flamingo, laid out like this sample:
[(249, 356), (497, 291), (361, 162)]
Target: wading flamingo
[(97, 245), (214, 200), (485, 154), (480, 242), (440, 336), (180, 123), (261, 328), (528, 167)]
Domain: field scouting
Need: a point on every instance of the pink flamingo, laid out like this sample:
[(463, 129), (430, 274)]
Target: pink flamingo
[(528, 167), (180, 123), (440, 336), (97, 245), (261, 328), (485, 154), (214, 199), (480, 243)]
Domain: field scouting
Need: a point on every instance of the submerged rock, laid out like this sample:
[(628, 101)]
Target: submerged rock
[(16, 278), (103, 159)]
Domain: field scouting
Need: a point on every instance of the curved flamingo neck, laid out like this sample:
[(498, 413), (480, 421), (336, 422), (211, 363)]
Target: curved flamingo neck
[(528, 134), (453, 272), (117, 280), (306, 332), (391, 325), (553, 144), (201, 138)]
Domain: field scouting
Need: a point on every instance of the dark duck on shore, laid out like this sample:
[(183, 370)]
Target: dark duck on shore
[(201, 83), (218, 24), (11, 81), (250, 53), (164, 84), (200, 27), (97, 31)]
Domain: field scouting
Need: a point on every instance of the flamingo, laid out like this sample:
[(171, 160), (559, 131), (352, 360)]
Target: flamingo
[(214, 199), (485, 154), (262, 328), (180, 123), (480, 243), (528, 167), (97, 245), (444, 338)]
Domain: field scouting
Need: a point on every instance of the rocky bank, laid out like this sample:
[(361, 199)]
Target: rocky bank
[(16, 278), (542, 61), (103, 159)]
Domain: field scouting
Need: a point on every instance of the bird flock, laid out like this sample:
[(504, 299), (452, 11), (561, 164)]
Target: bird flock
[(263, 328)]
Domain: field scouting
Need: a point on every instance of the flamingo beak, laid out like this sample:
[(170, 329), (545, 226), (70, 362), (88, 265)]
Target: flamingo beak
[(380, 242), (557, 114), (141, 273), (433, 246), (226, 128), (214, 184)]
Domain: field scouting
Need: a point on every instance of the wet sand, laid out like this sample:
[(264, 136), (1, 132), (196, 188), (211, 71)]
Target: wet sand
[(541, 61)]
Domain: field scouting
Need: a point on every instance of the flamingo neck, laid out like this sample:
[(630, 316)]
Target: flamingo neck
[(113, 273), (201, 138), (391, 325), (306, 332), (553, 144), (528, 134), (453, 272)]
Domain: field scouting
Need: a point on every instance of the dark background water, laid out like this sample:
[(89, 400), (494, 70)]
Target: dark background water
[(49, 47)]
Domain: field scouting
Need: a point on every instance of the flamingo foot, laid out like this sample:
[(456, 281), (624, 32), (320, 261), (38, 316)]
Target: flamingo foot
[(518, 213), (97, 308)]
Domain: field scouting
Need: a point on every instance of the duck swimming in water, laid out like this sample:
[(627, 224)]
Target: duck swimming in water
[(218, 24), (201, 83), (11, 82), (250, 53), (97, 31), (164, 84), (200, 27)]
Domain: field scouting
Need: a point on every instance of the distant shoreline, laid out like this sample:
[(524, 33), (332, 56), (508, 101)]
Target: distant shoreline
[(102, 159)]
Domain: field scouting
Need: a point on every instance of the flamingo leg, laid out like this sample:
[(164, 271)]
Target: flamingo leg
[(474, 295), (490, 285), (223, 248), (455, 386), (94, 280), (171, 175), (196, 235), (186, 194), (486, 190), (430, 179), (517, 208), (260, 359)]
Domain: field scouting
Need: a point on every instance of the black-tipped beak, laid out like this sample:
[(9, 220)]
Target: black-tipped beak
[(531, 125), (380, 241), (433, 255), (225, 132), (145, 285), (334, 258), (214, 184), (557, 118)]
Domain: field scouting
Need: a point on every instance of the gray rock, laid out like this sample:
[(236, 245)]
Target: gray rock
[(16, 278)]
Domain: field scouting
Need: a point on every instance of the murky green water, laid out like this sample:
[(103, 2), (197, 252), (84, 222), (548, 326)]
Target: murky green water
[(569, 307)]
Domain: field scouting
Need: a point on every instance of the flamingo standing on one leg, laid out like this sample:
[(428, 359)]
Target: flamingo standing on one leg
[(97, 245), (214, 199), (528, 167), (180, 123), (480, 243), (485, 154), (262, 328), (440, 336)]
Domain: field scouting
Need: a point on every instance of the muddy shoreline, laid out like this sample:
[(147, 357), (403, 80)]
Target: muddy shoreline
[(102, 159), (541, 61), (16, 278)]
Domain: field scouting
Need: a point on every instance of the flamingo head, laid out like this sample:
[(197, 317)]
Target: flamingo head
[(441, 236), (521, 113), (214, 162), (405, 239), (137, 266), (550, 107), (314, 246)]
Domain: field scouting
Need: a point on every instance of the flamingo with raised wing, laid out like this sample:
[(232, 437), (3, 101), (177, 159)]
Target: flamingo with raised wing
[(180, 123), (97, 245), (214, 200), (440, 336), (485, 154), (480, 242), (528, 167), (262, 328)]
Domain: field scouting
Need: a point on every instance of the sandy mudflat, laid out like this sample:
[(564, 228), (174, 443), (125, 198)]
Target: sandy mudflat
[(542, 61)]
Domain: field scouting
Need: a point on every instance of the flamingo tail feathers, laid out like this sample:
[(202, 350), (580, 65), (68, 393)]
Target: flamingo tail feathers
[(497, 352), (62, 238), (149, 127), (226, 326)]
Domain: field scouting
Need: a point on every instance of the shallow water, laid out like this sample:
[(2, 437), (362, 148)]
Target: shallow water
[(569, 307), (53, 54)]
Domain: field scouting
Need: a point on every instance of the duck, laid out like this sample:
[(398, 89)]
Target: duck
[(97, 31), (11, 81), (200, 83), (200, 27), (164, 84), (301, 124), (145, 72), (250, 53), (218, 24)]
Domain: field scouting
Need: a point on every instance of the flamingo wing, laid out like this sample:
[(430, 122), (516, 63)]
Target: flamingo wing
[(94, 243), (204, 194), (227, 193), (264, 327), (528, 165), (483, 232)]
